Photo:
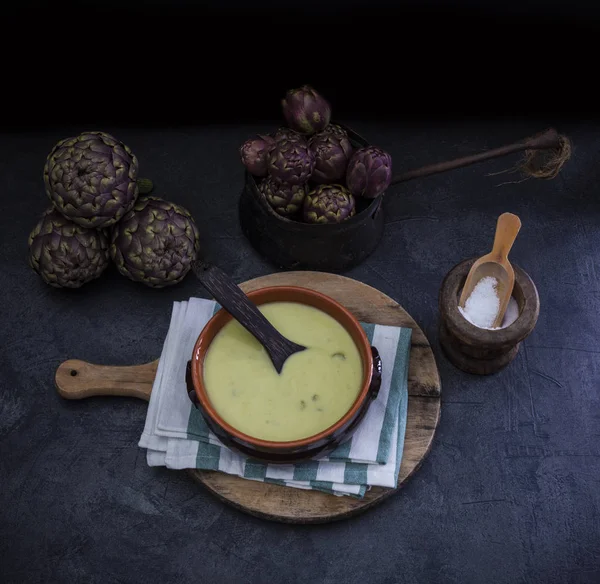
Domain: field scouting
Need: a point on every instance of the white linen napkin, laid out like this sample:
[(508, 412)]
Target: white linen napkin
[(176, 436)]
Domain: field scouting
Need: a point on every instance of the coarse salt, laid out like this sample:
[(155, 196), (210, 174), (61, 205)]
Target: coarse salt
[(483, 304), (511, 314)]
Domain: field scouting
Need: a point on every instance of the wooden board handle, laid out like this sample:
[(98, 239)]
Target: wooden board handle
[(77, 379)]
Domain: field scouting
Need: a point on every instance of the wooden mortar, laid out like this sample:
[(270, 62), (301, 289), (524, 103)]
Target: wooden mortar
[(476, 350)]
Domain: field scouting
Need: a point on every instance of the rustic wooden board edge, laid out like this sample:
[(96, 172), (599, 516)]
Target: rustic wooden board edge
[(362, 506), (77, 379)]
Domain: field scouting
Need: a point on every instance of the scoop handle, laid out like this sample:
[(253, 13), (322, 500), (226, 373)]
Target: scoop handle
[(507, 229), (233, 300)]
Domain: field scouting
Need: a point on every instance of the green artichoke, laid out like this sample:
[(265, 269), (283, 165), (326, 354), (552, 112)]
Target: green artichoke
[(284, 198), (91, 179), (328, 204), (65, 254), (155, 243)]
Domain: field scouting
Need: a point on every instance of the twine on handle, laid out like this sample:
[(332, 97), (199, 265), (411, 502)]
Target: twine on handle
[(545, 155), (540, 163), (546, 163)]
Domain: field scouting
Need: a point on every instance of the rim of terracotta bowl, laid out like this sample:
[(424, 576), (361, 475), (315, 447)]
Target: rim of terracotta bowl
[(284, 294)]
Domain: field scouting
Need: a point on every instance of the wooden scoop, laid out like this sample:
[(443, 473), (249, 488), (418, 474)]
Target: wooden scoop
[(231, 297), (496, 265)]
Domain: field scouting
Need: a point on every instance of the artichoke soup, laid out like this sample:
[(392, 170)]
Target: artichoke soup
[(315, 389)]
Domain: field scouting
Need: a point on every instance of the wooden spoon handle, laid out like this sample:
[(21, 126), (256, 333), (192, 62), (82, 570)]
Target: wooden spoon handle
[(78, 379), (233, 300), (507, 228)]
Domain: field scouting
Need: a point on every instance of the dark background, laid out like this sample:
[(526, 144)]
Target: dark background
[(176, 62), (510, 491)]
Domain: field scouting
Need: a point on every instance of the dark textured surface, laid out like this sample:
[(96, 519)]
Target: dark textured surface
[(510, 492)]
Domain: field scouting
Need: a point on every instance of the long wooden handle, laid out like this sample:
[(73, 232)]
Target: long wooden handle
[(78, 379), (543, 141), (507, 229)]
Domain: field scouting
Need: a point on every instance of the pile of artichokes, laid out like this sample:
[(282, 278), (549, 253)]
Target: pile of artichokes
[(100, 211), (309, 171)]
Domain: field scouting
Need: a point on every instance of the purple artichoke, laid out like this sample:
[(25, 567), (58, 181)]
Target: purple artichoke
[(369, 172), (64, 254), (291, 161), (91, 179), (332, 150), (253, 153), (155, 243), (305, 110), (328, 204), (284, 133), (285, 199)]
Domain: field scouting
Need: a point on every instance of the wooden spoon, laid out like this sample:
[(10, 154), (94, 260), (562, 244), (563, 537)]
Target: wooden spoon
[(496, 265), (231, 297)]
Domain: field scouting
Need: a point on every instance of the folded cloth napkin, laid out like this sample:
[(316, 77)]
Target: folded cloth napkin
[(176, 436)]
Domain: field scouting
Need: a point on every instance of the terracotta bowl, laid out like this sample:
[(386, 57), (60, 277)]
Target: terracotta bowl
[(297, 450)]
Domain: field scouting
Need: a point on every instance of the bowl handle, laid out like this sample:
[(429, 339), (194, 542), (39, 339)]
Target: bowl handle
[(376, 377), (190, 386)]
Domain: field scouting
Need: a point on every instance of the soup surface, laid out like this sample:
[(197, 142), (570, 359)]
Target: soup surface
[(315, 389)]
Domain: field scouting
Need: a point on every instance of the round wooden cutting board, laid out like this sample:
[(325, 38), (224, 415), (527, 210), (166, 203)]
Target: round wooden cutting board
[(77, 379)]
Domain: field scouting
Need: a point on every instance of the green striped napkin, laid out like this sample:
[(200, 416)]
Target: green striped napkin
[(175, 434)]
